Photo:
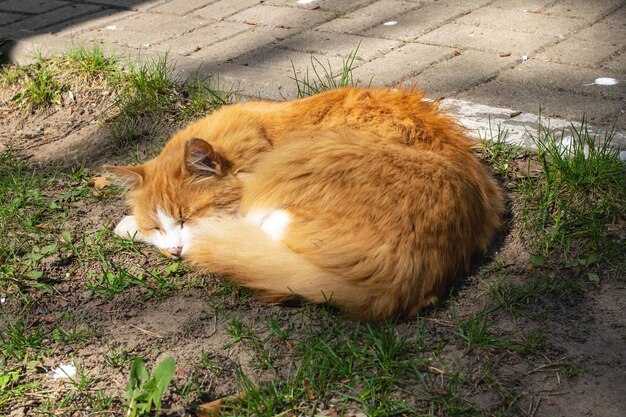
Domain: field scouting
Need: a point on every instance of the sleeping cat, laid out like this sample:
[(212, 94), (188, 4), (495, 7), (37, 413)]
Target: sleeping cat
[(368, 199)]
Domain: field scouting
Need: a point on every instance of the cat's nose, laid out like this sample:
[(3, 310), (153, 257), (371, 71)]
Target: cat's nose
[(175, 250)]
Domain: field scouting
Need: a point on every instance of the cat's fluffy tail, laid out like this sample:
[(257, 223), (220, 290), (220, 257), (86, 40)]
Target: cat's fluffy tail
[(241, 251)]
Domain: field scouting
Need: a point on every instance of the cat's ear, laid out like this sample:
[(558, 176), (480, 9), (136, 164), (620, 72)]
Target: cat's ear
[(201, 159), (131, 176)]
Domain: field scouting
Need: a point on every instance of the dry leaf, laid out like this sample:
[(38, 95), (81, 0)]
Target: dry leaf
[(309, 390), (505, 54), (100, 182), (214, 408)]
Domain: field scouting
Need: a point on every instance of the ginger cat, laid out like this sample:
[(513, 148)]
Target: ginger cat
[(368, 199)]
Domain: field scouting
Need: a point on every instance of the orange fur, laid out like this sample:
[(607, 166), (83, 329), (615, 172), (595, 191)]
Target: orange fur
[(385, 198)]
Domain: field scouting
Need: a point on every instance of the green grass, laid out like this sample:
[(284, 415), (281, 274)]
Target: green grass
[(475, 332), (322, 77), (147, 96), (361, 366), (39, 88), (580, 191), (93, 62), (21, 339), (23, 208), (498, 152), (535, 294)]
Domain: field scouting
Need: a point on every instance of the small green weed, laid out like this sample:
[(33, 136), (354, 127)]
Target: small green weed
[(75, 333), (144, 391), (533, 342), (498, 152), (324, 78), (20, 339), (475, 331), (39, 88), (535, 293), (93, 62), (12, 385), (202, 97), (112, 280), (118, 358)]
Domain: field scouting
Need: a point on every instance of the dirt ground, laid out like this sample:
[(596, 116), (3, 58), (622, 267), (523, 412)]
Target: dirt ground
[(581, 371)]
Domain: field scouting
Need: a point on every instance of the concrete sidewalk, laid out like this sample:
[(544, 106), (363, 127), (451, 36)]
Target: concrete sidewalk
[(490, 59)]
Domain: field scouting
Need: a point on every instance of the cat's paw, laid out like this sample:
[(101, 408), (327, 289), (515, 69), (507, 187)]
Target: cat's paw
[(128, 229)]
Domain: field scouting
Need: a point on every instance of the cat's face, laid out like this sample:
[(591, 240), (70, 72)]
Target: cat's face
[(173, 192)]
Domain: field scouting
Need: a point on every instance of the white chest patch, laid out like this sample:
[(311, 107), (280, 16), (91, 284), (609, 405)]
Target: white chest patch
[(273, 222)]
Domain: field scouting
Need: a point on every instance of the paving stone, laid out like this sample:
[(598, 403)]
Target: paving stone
[(224, 8), (137, 5), (6, 18), (122, 38), (46, 45), (200, 38), (287, 17), (583, 52), (478, 119), (339, 44), (583, 9), (337, 6), (31, 6), (286, 62), (562, 77), (242, 43), (473, 4), (487, 39), (254, 82), (136, 30), (400, 64), (168, 25), (180, 7), (550, 103), (53, 17), (529, 5), (616, 64), (101, 19), (521, 21), (416, 22), (367, 17), (459, 73), (593, 45), (611, 30)]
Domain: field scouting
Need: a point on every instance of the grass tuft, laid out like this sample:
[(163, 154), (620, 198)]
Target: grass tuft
[(39, 88), (580, 191), (93, 62), (498, 152), (323, 77)]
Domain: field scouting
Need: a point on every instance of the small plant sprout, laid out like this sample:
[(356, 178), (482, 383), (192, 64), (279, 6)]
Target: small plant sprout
[(324, 78), (144, 392)]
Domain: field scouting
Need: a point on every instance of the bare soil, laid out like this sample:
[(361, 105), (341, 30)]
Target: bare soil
[(585, 331)]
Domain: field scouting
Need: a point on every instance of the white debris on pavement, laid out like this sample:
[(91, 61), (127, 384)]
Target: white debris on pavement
[(112, 27), (390, 23), (605, 81), (305, 1)]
